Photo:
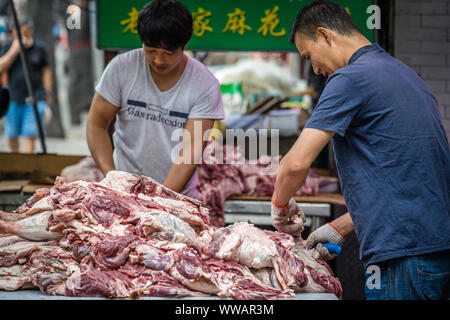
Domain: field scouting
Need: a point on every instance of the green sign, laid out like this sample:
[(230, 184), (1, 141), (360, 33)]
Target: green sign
[(246, 25)]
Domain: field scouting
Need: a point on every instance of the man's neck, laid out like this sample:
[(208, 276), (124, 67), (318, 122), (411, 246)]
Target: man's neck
[(353, 44), (174, 74), (166, 81)]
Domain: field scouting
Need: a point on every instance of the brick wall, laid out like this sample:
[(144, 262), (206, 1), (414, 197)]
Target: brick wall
[(422, 41)]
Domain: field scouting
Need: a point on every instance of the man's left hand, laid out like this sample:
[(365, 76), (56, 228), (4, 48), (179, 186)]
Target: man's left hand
[(48, 99), (325, 234)]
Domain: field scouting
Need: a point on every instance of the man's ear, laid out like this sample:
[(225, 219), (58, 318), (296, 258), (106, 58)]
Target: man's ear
[(325, 33)]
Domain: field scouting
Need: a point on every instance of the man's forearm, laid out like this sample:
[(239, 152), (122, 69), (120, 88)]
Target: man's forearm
[(101, 148), (179, 175), (190, 154), (295, 165), (289, 181), (47, 80), (7, 60), (343, 224)]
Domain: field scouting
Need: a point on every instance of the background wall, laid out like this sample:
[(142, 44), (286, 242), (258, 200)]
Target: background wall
[(422, 41)]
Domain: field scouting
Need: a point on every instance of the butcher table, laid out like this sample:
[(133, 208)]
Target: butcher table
[(37, 295)]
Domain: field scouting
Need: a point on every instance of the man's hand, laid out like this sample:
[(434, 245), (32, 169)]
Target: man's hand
[(288, 219), (26, 41), (325, 234)]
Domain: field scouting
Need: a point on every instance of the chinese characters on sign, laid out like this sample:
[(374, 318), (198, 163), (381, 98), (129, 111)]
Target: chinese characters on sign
[(270, 22), (200, 24), (235, 23), (131, 22), (221, 25)]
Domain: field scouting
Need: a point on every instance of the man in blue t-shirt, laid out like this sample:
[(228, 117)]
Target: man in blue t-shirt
[(391, 153)]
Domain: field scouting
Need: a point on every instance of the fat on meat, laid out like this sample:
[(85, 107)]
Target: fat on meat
[(91, 282), (7, 240), (40, 194), (14, 253), (32, 228), (192, 271), (149, 282), (50, 267), (15, 277), (239, 282), (164, 226), (254, 248)]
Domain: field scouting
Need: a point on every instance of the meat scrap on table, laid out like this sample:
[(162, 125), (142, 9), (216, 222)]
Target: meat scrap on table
[(128, 236), (225, 172)]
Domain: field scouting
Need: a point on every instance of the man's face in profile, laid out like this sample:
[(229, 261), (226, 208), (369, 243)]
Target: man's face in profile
[(318, 51)]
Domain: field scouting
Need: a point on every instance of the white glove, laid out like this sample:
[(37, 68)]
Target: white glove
[(325, 234), (288, 219)]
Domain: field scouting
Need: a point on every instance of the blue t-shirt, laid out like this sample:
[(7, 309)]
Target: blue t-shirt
[(392, 155)]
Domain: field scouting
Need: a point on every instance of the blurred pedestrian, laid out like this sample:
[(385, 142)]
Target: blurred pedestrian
[(20, 119)]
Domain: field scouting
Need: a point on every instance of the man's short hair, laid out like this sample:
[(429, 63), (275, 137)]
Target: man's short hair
[(324, 14), (165, 24)]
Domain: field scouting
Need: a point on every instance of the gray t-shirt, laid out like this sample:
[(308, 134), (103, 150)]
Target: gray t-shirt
[(147, 117)]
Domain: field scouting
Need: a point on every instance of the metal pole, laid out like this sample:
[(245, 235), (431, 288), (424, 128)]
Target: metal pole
[(31, 98)]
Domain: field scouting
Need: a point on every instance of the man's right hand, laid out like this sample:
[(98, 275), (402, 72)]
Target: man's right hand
[(26, 41), (288, 219)]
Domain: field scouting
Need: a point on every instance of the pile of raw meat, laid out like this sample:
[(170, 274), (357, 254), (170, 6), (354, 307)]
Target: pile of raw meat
[(225, 172), (128, 236)]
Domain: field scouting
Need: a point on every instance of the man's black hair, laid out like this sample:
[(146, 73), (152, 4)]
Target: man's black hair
[(23, 20), (165, 24), (324, 14)]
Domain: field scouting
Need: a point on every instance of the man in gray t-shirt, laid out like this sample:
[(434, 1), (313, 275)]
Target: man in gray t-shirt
[(163, 102)]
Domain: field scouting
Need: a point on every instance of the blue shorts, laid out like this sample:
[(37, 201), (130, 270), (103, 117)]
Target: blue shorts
[(20, 120)]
